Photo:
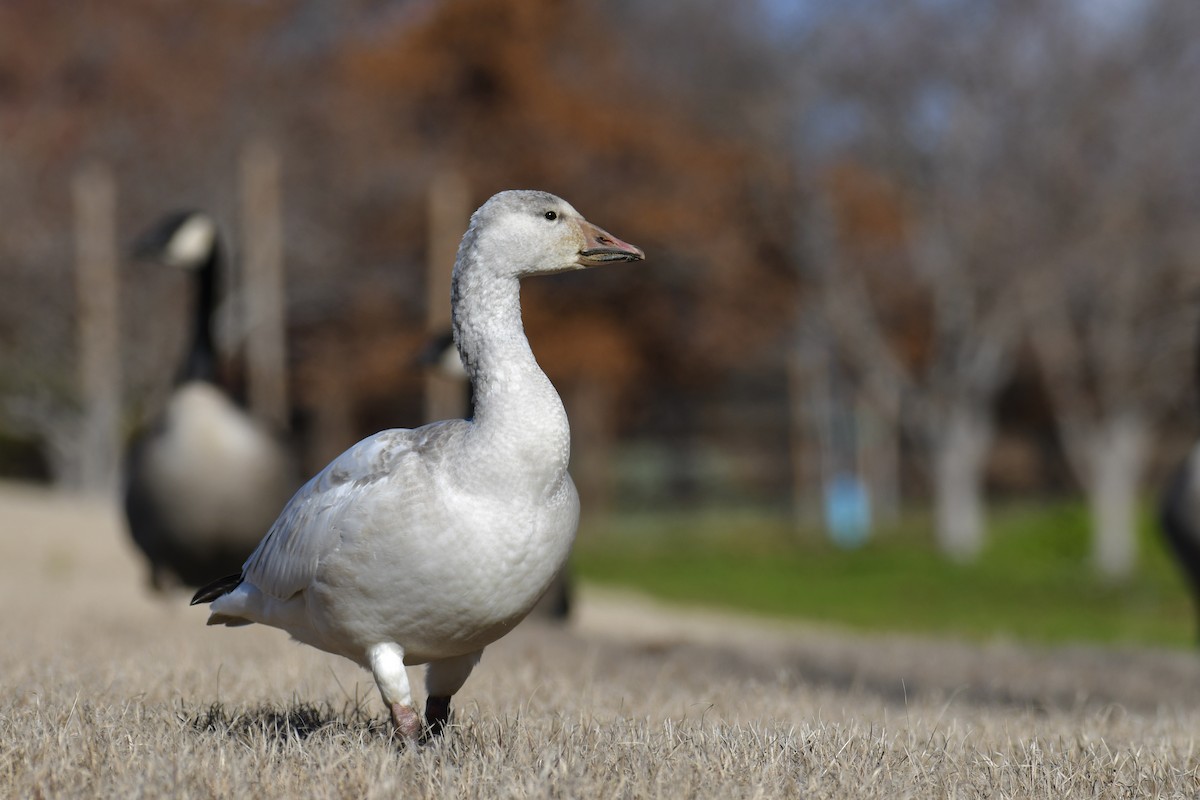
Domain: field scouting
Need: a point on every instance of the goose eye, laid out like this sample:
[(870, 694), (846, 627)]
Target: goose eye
[(550, 215)]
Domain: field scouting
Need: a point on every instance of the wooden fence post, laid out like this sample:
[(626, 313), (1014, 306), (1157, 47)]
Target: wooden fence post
[(263, 283), (445, 395), (97, 297)]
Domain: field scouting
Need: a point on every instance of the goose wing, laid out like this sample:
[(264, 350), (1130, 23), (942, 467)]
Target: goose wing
[(308, 529)]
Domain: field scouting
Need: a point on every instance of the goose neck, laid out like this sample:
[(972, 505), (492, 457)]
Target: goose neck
[(201, 363), (518, 414)]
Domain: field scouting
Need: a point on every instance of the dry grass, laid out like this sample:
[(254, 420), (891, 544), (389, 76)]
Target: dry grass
[(108, 692)]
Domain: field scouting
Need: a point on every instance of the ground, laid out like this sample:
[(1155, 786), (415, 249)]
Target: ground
[(109, 690)]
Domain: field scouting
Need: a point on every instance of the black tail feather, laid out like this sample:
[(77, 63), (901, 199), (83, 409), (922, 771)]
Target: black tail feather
[(218, 588)]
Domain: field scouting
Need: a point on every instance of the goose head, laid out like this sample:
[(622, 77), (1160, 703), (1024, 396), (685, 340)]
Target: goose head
[(184, 239), (188, 241), (522, 232)]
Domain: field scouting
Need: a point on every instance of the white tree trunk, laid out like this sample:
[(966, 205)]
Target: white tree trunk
[(1117, 455), (960, 445)]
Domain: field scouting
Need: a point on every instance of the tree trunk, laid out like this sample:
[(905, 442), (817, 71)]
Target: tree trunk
[(1117, 455), (879, 445), (806, 392), (961, 444)]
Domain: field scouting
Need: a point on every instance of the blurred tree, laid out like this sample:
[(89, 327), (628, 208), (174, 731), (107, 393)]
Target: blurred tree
[(367, 101), (163, 93), (926, 156), (487, 88), (1114, 191), (910, 230), (999, 172)]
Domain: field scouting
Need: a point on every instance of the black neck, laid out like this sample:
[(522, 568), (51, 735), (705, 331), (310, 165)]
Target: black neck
[(201, 363)]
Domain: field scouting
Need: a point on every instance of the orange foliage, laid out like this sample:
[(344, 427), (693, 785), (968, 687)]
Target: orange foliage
[(868, 207), (508, 93)]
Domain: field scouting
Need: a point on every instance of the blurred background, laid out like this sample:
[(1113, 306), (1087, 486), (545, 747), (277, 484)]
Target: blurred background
[(913, 348)]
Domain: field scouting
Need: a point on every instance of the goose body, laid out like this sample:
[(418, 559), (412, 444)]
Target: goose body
[(423, 546), (1179, 519), (205, 478), (440, 356), (1179, 512)]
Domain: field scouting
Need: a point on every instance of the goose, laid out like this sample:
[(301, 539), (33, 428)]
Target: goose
[(425, 545), (1179, 521), (205, 478), (1179, 515), (440, 357)]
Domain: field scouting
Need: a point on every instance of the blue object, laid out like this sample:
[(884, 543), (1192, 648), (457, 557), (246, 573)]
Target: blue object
[(847, 511)]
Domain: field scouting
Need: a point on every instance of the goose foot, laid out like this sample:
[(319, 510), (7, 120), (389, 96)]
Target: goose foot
[(407, 722)]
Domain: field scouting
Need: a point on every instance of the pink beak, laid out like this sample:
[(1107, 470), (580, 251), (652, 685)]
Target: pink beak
[(601, 247)]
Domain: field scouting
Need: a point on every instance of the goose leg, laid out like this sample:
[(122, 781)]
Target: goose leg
[(437, 715), (387, 665), (442, 680)]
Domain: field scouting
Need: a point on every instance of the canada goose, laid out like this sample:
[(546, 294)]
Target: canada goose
[(423, 546), (205, 479), (1179, 517), (1179, 514)]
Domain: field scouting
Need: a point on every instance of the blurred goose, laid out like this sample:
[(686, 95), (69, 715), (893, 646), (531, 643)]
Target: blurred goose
[(423, 546), (1179, 518), (1179, 514), (205, 479)]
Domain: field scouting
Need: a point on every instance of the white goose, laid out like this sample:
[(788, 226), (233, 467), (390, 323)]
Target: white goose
[(423, 546)]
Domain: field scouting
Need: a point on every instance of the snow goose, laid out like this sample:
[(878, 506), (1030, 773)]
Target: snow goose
[(205, 478), (423, 546), (440, 357)]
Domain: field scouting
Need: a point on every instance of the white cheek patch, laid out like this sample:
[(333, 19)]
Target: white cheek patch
[(192, 242), (450, 364)]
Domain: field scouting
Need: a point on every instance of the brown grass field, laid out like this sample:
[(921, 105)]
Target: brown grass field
[(108, 691)]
